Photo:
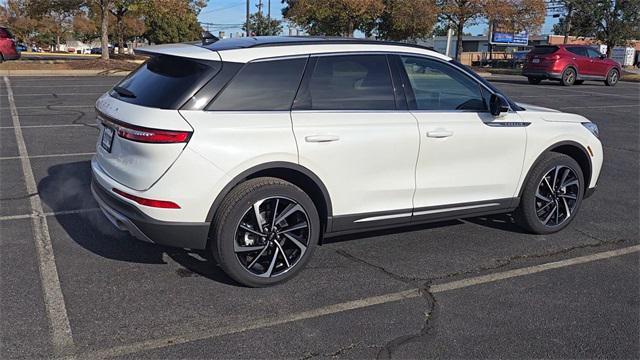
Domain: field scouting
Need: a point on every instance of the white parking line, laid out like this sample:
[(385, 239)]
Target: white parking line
[(61, 336), (44, 126), (195, 335), (52, 107), (599, 106), (55, 213), (57, 94), (46, 156)]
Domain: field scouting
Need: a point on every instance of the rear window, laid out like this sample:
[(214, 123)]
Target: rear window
[(165, 82), (262, 86), (542, 50)]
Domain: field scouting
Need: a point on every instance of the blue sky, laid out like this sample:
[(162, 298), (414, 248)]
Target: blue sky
[(233, 12)]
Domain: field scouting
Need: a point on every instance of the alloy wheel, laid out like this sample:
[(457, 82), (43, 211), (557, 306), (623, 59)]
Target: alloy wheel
[(272, 236), (557, 196), (613, 78), (569, 77)]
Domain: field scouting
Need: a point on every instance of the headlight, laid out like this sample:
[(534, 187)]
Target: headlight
[(593, 128)]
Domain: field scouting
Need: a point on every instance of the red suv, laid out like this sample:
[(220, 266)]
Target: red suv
[(8, 49), (571, 64)]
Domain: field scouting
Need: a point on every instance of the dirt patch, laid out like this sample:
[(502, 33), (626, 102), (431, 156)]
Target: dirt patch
[(92, 64)]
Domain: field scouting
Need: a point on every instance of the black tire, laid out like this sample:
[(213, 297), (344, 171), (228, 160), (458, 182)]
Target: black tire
[(568, 77), (612, 78), (534, 80), (235, 210), (532, 212), (579, 82)]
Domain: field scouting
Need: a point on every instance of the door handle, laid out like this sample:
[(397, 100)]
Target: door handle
[(440, 133), (321, 138)]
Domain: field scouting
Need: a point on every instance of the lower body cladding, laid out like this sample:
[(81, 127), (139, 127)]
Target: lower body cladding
[(127, 217), (542, 74)]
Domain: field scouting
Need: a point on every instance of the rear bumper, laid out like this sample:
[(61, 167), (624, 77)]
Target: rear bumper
[(11, 56), (128, 218), (542, 74)]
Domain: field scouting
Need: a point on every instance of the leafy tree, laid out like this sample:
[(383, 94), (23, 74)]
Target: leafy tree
[(24, 27), (127, 20), (54, 16), (407, 19), (460, 13), (85, 29), (334, 17), (260, 25), (612, 22), (169, 21)]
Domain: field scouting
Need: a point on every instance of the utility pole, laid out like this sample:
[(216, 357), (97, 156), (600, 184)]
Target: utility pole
[(449, 35), (260, 7), (248, 29), (269, 12)]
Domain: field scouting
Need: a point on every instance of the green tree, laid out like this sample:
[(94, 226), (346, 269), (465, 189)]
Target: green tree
[(458, 14), (260, 25), (407, 19), (334, 17), (54, 16), (169, 21), (612, 22)]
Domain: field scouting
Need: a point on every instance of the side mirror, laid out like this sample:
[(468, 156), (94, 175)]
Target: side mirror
[(498, 105)]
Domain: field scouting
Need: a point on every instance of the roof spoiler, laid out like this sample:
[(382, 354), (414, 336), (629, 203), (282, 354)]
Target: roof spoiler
[(193, 51), (208, 38)]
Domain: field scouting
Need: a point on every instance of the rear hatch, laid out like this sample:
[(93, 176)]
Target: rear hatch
[(542, 56), (141, 130)]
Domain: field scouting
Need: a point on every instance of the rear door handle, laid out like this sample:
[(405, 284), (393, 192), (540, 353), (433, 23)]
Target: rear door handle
[(321, 138), (440, 133)]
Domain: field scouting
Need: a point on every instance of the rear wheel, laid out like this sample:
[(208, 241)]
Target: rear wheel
[(534, 80), (568, 77), (612, 78), (552, 195), (265, 232)]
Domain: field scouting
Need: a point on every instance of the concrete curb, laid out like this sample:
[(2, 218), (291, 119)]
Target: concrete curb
[(64, 72)]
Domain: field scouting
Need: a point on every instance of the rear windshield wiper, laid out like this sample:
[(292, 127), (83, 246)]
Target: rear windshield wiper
[(124, 92)]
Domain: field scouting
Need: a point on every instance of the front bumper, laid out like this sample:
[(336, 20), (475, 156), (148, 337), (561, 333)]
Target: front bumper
[(542, 74), (128, 218)]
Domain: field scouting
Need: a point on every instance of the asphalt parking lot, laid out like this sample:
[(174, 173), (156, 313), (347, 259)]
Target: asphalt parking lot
[(70, 284)]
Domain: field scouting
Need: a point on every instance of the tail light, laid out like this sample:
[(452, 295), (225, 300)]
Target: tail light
[(148, 202), (147, 135), (553, 58)]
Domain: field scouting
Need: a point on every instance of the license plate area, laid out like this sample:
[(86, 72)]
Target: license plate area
[(107, 138), (536, 61)]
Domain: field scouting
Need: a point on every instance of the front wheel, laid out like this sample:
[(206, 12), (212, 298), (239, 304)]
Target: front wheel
[(552, 195), (265, 232), (612, 78)]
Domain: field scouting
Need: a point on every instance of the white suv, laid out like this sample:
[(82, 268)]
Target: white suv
[(256, 148)]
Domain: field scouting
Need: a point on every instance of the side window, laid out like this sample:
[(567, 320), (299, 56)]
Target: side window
[(262, 86), (578, 51), (593, 53), (350, 82), (438, 86)]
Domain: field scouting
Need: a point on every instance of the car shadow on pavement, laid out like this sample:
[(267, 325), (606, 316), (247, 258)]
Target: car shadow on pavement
[(67, 187), (504, 222)]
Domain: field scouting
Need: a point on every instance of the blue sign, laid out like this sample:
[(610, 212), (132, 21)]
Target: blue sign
[(509, 38)]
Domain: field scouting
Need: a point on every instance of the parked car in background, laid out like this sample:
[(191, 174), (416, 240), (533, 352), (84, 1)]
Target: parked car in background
[(570, 64), (8, 49), (21, 47), (256, 148), (518, 58)]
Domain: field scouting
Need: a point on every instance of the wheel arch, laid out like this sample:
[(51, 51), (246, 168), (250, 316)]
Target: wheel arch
[(296, 174), (572, 149)]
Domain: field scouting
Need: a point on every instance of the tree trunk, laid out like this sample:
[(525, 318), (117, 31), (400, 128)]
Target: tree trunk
[(459, 30), (105, 30), (120, 35)]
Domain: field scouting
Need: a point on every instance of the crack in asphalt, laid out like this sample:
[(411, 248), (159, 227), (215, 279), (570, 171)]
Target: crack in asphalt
[(429, 317), (338, 352), (21, 197), (427, 329)]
